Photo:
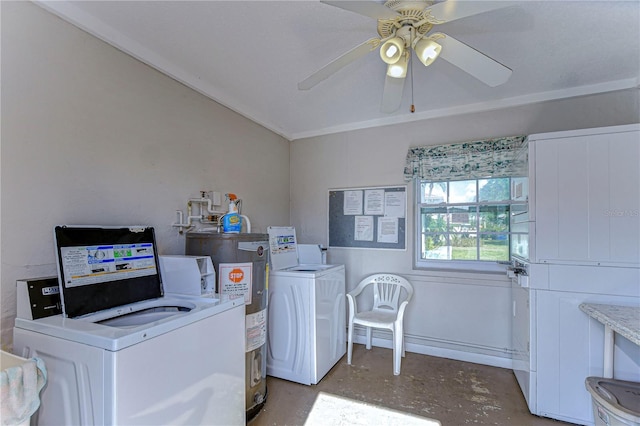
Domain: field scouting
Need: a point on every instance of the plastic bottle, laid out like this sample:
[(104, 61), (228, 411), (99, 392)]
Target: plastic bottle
[(232, 222)]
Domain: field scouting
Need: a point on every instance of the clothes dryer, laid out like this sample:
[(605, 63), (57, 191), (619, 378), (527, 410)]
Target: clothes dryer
[(150, 360), (306, 315)]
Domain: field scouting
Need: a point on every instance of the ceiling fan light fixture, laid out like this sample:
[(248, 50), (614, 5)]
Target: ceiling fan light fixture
[(391, 50), (427, 51), (399, 69)]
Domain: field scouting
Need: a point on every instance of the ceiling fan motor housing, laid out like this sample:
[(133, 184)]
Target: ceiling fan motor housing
[(411, 13)]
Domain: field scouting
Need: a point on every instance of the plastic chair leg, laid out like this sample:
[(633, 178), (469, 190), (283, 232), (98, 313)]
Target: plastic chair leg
[(403, 345), (350, 344), (397, 350), (368, 337)]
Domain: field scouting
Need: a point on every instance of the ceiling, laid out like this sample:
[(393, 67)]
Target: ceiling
[(250, 55)]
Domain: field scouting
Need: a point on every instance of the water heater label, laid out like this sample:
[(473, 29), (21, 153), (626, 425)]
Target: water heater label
[(256, 325), (235, 279)]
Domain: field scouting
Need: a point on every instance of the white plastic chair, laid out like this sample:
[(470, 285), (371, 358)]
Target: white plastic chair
[(387, 312)]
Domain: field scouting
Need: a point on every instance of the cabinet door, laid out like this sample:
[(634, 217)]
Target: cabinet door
[(564, 360), (570, 348), (588, 199)]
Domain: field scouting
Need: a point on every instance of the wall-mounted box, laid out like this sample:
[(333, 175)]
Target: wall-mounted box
[(188, 275)]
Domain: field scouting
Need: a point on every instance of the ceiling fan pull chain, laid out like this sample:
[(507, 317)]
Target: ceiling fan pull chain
[(413, 108)]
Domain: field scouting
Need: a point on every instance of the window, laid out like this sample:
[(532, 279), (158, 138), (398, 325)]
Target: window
[(464, 224)]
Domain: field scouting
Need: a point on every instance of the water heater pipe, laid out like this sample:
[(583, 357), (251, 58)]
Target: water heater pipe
[(181, 225), (206, 201), (248, 223)]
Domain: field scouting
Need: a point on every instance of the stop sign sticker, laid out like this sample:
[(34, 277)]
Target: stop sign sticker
[(236, 275), (235, 280)]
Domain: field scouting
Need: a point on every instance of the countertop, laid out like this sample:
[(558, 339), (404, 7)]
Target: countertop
[(624, 320)]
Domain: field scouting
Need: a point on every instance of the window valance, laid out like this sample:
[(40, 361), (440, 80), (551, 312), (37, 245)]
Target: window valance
[(500, 157)]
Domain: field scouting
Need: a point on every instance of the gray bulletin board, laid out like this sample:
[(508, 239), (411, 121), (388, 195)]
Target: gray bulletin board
[(370, 217)]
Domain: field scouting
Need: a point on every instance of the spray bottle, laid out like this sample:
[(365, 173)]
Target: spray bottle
[(231, 221)]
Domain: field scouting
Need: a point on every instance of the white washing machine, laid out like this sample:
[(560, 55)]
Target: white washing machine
[(151, 360), (306, 313)]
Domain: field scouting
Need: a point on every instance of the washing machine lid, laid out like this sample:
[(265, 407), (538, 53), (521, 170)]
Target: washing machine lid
[(125, 326), (310, 267), (283, 247), (102, 267), (310, 271)]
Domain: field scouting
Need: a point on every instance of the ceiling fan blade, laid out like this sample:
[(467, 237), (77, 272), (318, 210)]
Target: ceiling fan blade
[(469, 60), (334, 66), (392, 96), (366, 8), (451, 10)]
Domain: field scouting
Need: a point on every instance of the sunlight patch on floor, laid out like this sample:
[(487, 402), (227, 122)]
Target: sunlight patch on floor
[(335, 410)]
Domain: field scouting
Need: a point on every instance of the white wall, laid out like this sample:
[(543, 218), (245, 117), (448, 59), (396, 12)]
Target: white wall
[(92, 136), (468, 314)]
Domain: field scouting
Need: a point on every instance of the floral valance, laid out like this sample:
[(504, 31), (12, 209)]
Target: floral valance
[(500, 157)]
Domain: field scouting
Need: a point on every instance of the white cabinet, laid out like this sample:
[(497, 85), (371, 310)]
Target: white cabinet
[(585, 246), (570, 348), (587, 196)]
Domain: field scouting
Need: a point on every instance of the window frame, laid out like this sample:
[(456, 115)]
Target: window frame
[(460, 265)]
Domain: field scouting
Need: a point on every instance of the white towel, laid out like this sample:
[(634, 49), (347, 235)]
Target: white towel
[(21, 387)]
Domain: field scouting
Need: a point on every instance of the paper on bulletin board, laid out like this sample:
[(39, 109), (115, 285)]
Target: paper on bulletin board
[(363, 228), (352, 203), (388, 230), (374, 201), (235, 280), (394, 204)]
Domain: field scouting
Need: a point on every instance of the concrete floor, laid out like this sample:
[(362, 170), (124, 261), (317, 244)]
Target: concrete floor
[(428, 388)]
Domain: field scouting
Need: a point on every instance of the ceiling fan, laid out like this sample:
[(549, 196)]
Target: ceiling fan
[(405, 26)]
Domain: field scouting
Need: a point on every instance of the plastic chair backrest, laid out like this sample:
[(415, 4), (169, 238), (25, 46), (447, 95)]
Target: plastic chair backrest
[(386, 291)]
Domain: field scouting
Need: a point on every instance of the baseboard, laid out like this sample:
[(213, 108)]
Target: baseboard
[(465, 352)]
